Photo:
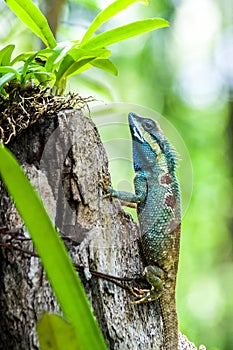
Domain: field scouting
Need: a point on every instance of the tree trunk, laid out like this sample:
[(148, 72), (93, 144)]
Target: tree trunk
[(65, 161)]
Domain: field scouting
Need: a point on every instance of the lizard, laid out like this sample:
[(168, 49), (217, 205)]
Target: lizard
[(157, 198)]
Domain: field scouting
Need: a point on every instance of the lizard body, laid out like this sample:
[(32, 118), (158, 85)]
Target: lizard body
[(157, 197)]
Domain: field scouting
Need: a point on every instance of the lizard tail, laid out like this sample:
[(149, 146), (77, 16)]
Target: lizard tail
[(170, 322)]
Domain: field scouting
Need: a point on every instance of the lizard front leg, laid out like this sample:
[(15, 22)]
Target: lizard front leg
[(137, 197)]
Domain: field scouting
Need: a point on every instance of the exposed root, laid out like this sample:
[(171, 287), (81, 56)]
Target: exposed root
[(24, 105)]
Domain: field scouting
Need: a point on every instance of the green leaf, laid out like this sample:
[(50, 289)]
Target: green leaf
[(23, 57), (70, 67), (57, 264), (105, 64), (77, 65), (56, 334), (9, 69), (37, 76), (79, 53), (6, 78), (29, 13), (124, 32), (5, 55), (110, 11), (9, 74), (27, 63), (44, 76), (59, 52), (75, 60)]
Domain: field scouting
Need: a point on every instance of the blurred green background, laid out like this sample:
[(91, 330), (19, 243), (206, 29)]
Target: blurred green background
[(185, 73)]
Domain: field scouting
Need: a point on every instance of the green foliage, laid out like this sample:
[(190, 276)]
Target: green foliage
[(56, 334), (34, 19), (59, 61), (112, 10), (57, 264), (124, 32)]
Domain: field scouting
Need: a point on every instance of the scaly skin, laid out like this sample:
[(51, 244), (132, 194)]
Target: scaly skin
[(158, 208)]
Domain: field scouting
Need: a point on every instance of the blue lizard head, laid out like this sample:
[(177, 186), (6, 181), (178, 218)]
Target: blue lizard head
[(151, 148)]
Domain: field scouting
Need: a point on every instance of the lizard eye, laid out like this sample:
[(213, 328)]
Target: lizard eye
[(162, 146), (148, 124)]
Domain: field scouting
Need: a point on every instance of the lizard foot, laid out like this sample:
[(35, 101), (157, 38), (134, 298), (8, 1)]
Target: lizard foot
[(105, 182), (155, 276)]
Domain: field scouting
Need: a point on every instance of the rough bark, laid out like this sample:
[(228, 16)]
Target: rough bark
[(64, 159)]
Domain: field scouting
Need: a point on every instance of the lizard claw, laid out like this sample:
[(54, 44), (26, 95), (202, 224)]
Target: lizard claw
[(105, 182), (143, 295), (139, 292)]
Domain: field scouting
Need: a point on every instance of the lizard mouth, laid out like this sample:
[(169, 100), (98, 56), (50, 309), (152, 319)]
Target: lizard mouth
[(135, 127)]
